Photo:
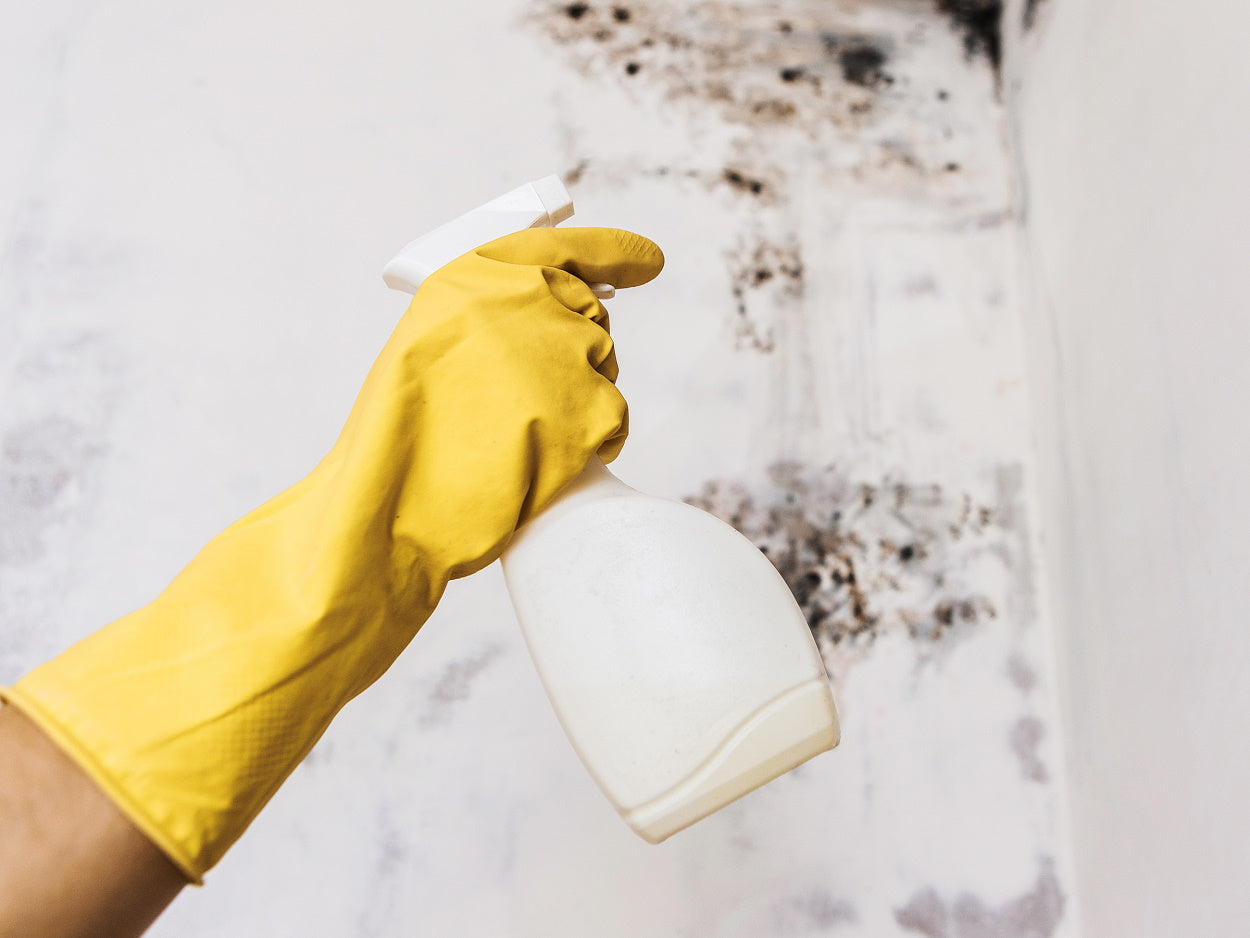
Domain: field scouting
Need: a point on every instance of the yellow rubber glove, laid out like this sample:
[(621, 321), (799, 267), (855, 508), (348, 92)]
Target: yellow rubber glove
[(492, 394)]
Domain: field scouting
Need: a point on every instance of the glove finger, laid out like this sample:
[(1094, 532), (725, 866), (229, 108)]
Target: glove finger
[(592, 255)]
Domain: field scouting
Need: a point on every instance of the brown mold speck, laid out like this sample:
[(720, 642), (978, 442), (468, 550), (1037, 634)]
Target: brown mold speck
[(742, 182), (575, 11)]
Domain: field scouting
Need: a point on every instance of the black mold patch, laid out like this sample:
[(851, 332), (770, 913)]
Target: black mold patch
[(866, 558), (863, 65), (1036, 914), (980, 24), (814, 911)]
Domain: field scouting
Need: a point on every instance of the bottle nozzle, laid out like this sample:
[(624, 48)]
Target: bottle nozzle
[(543, 203)]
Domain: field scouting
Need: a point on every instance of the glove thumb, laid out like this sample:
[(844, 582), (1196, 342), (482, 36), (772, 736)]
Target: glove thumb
[(592, 255)]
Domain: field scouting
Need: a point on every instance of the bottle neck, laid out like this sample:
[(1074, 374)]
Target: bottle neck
[(595, 481)]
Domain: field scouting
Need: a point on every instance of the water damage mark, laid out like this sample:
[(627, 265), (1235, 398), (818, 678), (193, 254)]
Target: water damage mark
[(1035, 914), (867, 558), (454, 684)]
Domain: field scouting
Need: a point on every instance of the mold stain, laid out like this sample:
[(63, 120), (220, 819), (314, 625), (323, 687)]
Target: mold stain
[(867, 558), (758, 70), (1035, 914), (846, 84), (762, 272)]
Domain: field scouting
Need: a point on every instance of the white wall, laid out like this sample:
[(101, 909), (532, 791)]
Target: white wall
[(195, 204), (1132, 131)]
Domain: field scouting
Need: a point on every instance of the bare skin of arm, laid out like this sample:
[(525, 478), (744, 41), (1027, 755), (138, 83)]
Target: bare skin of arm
[(71, 864)]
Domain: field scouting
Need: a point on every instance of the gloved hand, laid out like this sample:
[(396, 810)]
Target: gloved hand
[(492, 394)]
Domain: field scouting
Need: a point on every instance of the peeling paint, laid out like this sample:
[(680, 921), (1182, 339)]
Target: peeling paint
[(1021, 674), (866, 558), (1035, 914)]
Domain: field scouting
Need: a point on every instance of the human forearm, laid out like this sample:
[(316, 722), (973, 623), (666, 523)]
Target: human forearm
[(71, 864)]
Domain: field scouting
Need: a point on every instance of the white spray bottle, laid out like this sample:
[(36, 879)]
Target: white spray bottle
[(674, 654)]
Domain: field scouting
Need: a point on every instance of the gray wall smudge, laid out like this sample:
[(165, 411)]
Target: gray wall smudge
[(1026, 736), (454, 684), (52, 436), (42, 466), (53, 440), (1036, 914), (814, 910)]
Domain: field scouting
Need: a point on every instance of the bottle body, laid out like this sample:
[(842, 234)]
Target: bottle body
[(674, 654), (672, 651)]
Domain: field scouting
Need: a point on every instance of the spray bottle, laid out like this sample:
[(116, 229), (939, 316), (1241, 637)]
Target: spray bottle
[(673, 653)]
